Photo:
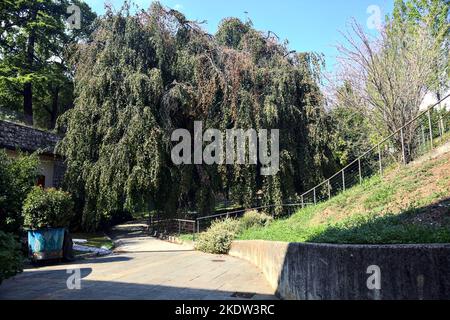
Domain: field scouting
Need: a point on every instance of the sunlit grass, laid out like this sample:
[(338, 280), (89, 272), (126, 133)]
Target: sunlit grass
[(393, 210)]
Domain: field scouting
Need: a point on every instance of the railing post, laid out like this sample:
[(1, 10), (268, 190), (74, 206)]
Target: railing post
[(198, 226), (343, 180), (380, 161), (329, 189), (423, 134), (431, 129), (403, 146), (315, 200), (179, 227), (359, 169), (443, 125), (303, 203)]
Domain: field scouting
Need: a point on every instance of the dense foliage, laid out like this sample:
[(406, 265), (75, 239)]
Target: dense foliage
[(432, 15), (219, 236), (49, 208), (17, 177), (11, 258), (142, 76), (217, 239), (35, 74), (352, 133), (254, 218)]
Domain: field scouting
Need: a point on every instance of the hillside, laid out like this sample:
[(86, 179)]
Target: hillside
[(409, 205)]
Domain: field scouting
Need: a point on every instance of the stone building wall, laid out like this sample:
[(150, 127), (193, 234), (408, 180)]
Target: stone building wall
[(16, 137)]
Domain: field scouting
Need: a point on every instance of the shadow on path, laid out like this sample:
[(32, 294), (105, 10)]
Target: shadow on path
[(52, 285)]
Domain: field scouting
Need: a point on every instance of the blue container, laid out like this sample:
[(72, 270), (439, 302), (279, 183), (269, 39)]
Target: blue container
[(46, 244)]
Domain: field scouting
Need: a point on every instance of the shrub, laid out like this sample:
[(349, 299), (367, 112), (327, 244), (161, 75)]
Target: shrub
[(255, 219), (217, 239), (48, 208), (17, 177), (10, 256)]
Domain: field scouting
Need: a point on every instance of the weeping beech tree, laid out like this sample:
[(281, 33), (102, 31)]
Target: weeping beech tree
[(143, 75)]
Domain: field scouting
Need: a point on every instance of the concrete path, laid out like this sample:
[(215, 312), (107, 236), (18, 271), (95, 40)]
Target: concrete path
[(144, 268)]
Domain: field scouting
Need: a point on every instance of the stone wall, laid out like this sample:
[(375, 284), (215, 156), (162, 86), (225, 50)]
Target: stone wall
[(331, 272), (16, 137), (59, 169)]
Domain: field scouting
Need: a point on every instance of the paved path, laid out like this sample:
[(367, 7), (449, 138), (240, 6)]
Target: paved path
[(144, 268)]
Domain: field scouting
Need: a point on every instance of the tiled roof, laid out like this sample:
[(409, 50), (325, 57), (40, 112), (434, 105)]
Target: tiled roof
[(15, 136)]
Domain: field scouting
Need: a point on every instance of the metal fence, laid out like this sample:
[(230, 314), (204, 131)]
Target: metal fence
[(172, 226), (417, 137), (287, 209)]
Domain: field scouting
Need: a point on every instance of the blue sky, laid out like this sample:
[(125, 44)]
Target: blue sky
[(308, 25)]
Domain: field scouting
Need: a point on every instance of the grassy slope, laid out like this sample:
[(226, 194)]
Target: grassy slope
[(410, 205)]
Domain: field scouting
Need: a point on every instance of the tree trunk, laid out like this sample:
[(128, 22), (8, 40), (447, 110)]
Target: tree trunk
[(54, 111), (28, 103), (28, 89)]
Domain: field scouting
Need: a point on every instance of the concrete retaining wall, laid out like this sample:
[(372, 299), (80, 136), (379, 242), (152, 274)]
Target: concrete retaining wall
[(321, 271)]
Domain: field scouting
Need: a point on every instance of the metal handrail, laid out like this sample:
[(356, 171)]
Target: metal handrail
[(177, 220), (253, 208)]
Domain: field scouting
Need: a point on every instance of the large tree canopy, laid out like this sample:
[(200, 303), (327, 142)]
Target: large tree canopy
[(432, 15), (35, 78), (141, 76)]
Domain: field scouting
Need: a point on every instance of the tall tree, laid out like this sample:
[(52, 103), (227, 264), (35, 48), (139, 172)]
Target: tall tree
[(434, 16), (33, 40), (388, 75), (144, 75)]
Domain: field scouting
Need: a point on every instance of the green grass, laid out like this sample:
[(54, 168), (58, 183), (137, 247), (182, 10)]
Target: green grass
[(398, 209), (94, 240)]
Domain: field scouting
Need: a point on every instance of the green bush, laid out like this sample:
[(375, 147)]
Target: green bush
[(255, 219), (217, 239), (49, 208), (10, 256), (17, 178)]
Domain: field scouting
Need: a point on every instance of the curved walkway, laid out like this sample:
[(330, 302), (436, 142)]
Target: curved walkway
[(144, 268)]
